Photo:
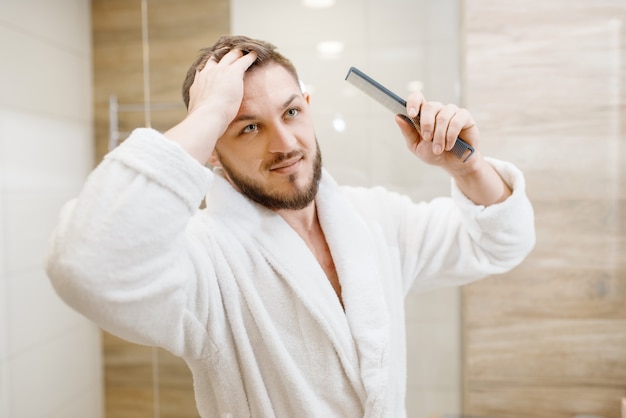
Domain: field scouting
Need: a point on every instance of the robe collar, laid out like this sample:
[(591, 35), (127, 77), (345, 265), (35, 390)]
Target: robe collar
[(361, 334)]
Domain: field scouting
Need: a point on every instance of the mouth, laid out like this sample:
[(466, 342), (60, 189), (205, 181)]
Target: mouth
[(286, 166)]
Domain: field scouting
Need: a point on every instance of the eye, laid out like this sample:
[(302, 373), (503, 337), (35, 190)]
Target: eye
[(292, 113), (253, 127)]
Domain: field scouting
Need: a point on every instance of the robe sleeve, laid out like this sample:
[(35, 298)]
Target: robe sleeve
[(120, 253), (450, 240), (472, 241)]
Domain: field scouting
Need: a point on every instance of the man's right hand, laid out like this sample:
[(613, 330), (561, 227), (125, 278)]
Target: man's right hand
[(214, 100)]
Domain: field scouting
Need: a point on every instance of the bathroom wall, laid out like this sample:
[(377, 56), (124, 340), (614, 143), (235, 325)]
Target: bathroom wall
[(546, 83), (50, 363)]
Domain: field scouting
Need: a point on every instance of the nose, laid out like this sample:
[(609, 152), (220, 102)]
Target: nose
[(281, 139)]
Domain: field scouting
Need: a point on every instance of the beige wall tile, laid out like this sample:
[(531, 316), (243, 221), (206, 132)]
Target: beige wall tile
[(545, 83), (49, 356)]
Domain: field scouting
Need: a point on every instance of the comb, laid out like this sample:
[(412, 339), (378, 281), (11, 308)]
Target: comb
[(461, 149)]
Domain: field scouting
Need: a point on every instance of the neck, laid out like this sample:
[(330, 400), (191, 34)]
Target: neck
[(303, 221)]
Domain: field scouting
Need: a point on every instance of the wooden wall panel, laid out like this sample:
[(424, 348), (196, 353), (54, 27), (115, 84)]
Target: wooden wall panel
[(545, 80), (178, 29), (130, 382)]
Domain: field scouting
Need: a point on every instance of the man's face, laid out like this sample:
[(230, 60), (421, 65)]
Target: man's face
[(269, 151)]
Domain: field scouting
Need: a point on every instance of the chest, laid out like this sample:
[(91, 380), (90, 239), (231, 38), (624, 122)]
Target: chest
[(321, 251)]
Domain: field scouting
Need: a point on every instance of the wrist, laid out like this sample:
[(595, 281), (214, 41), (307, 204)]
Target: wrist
[(459, 169), (198, 132), (480, 182)]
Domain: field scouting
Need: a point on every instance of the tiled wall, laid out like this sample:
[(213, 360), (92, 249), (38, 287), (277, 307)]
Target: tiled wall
[(545, 80), (49, 355), (396, 42)]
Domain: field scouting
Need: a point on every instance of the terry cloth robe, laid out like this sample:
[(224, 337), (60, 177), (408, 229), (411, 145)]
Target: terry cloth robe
[(235, 292)]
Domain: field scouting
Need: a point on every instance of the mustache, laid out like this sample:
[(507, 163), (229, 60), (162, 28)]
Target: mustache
[(279, 158)]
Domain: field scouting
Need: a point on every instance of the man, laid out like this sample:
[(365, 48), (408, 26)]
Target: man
[(285, 294)]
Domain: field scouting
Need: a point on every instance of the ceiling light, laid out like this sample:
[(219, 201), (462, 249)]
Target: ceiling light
[(415, 85), (339, 123), (318, 4), (330, 49)]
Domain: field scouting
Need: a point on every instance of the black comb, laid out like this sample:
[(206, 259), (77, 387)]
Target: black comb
[(461, 149)]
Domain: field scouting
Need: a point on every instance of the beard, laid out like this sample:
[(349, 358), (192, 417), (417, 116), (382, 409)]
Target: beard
[(298, 198)]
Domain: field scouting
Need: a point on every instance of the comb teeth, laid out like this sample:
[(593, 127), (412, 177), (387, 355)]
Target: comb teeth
[(461, 148)]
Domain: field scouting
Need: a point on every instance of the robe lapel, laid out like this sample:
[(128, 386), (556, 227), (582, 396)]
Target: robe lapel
[(355, 256), (294, 263), (361, 333)]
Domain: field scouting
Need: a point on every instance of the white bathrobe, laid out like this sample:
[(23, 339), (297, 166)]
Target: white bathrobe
[(235, 292)]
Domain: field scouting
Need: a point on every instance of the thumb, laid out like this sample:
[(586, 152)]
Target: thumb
[(408, 130)]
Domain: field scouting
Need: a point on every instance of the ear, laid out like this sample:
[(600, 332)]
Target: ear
[(214, 159), (307, 97)]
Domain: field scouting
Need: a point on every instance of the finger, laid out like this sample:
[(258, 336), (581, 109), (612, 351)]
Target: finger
[(442, 125), (247, 60), (428, 113), (414, 103), (410, 134), (459, 121), (241, 61), (218, 56), (236, 57), (232, 56), (211, 61), (406, 127)]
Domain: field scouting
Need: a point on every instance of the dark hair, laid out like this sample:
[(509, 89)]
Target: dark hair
[(266, 54)]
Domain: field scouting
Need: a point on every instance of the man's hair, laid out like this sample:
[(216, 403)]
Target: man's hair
[(266, 54)]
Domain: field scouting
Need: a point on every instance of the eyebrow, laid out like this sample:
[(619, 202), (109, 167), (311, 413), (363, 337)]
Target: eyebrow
[(244, 117)]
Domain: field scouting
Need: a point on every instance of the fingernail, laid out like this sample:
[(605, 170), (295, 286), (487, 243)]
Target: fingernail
[(437, 149), (412, 112)]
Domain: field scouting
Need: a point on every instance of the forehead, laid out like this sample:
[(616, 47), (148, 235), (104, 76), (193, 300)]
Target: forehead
[(269, 82)]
